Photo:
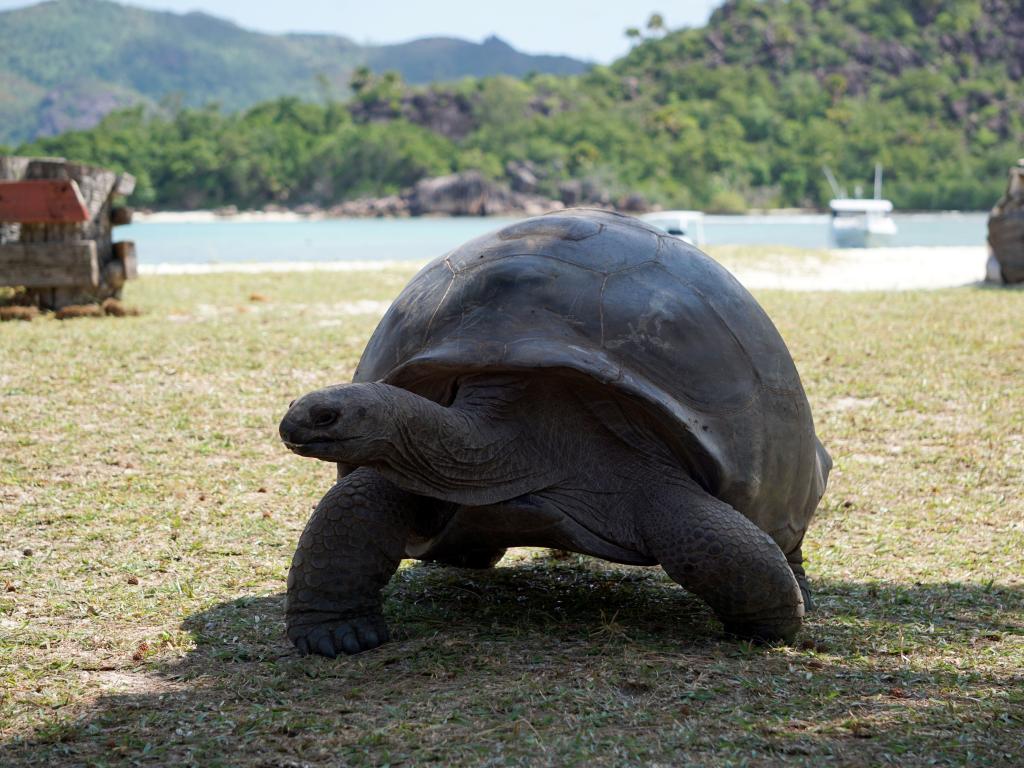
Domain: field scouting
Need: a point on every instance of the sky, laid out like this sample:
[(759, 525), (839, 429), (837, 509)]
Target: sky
[(587, 29)]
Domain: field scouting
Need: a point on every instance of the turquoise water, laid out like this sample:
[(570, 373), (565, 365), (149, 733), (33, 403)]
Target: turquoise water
[(419, 239)]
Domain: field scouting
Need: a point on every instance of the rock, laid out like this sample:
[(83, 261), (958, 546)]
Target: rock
[(522, 175), (307, 209), (633, 203), (461, 194), (469, 193), (570, 192), (371, 207), (583, 192), (447, 113)]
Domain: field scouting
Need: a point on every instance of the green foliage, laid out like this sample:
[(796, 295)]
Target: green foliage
[(742, 113)]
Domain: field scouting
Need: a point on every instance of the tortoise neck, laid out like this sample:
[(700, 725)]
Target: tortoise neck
[(473, 452)]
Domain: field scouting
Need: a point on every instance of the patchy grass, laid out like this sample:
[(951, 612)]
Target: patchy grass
[(149, 514)]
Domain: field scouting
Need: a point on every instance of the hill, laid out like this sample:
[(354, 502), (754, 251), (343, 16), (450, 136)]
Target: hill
[(933, 89), (741, 113), (66, 63)]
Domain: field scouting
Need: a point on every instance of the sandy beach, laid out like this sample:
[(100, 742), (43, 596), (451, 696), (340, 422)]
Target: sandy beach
[(869, 269), (875, 269), (204, 217)]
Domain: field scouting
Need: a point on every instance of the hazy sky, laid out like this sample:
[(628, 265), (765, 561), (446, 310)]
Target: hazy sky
[(588, 29)]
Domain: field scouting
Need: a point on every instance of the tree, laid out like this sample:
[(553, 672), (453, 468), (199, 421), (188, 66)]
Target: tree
[(360, 79)]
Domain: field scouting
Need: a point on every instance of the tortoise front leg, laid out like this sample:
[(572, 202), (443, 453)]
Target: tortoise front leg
[(350, 549), (715, 552)]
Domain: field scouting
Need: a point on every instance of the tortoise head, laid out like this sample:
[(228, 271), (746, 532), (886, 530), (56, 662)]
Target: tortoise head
[(350, 423)]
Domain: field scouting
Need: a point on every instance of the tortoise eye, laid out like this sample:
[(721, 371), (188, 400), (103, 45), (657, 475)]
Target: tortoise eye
[(322, 417)]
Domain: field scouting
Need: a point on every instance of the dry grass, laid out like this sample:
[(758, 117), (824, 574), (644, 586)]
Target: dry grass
[(149, 514)]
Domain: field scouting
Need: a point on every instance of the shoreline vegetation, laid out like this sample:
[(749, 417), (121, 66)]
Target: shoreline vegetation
[(741, 114)]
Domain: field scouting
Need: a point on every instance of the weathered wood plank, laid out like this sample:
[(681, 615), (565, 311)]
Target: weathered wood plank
[(125, 252), (120, 215), (42, 201), (40, 265), (12, 168), (125, 184)]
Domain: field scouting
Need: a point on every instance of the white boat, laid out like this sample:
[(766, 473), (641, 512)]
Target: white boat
[(859, 222), (688, 226)]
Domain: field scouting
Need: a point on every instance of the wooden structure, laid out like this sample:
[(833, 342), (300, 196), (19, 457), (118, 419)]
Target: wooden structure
[(1006, 228), (56, 221)]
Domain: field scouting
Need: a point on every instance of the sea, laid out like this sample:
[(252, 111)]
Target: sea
[(418, 239)]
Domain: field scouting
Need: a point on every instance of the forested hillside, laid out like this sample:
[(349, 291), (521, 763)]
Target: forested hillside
[(742, 113), (66, 63)]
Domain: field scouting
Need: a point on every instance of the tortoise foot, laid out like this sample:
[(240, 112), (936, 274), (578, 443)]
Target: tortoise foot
[(339, 636)]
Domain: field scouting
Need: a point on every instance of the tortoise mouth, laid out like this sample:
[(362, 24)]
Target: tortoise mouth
[(315, 449)]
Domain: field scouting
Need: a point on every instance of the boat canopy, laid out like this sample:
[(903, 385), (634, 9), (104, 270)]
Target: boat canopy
[(859, 205)]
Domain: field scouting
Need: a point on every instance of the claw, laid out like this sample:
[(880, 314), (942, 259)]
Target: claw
[(367, 637), (350, 644), (332, 638), (326, 648)]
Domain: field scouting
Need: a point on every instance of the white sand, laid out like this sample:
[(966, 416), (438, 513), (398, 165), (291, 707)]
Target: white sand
[(204, 217), (875, 269), (867, 269)]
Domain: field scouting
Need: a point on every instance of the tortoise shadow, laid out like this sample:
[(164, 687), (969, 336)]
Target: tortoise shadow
[(243, 695), (578, 600)]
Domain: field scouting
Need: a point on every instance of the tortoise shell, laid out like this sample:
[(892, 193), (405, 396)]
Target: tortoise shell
[(638, 311)]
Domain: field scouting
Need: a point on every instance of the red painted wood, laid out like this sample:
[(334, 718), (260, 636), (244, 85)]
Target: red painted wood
[(42, 201)]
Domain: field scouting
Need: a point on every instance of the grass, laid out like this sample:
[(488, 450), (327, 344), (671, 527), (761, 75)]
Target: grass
[(149, 514)]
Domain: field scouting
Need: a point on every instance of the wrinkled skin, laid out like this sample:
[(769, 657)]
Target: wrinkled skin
[(498, 468)]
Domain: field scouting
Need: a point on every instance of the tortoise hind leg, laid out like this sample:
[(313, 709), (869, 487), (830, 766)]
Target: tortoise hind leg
[(351, 547), (715, 552)]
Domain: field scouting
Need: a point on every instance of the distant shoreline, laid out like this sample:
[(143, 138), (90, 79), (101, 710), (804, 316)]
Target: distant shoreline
[(259, 216), (865, 269)]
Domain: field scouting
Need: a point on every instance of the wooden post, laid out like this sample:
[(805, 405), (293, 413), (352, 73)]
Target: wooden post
[(11, 169), (70, 265), (93, 273)]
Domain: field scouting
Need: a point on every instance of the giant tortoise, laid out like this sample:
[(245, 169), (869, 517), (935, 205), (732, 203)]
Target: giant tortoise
[(580, 381)]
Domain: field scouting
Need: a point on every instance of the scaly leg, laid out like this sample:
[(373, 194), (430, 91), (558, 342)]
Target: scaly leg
[(351, 547), (715, 552)]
